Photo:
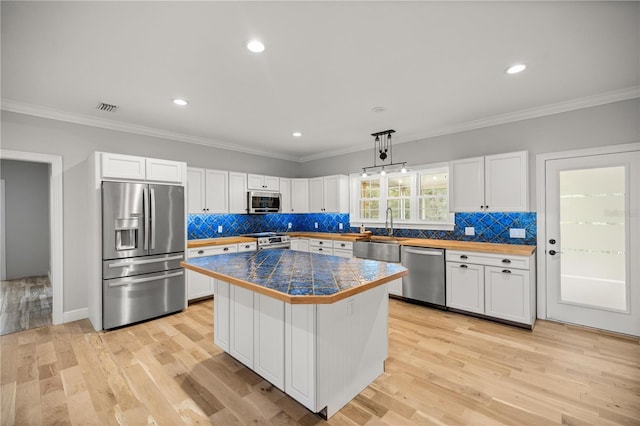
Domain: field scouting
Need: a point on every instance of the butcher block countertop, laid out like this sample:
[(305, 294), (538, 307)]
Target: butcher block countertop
[(218, 241), (512, 249), (298, 277)]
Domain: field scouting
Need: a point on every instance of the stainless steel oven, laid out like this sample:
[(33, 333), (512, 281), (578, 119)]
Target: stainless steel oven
[(271, 240)]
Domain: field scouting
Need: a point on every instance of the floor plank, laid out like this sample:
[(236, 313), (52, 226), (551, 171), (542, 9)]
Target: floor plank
[(25, 303), (443, 368)]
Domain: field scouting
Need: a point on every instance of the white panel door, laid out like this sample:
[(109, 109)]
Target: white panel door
[(196, 182), (465, 287), (221, 318), (241, 325), (300, 354), (507, 294), (237, 192), (467, 185), (316, 195), (217, 192), (300, 195), (506, 182), (285, 195), (591, 241), (268, 326)]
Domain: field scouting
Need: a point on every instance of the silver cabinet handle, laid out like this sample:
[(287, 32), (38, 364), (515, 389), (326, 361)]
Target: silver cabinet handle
[(144, 262), (145, 280)]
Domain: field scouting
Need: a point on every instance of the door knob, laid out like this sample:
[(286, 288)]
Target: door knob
[(553, 252), (552, 241)]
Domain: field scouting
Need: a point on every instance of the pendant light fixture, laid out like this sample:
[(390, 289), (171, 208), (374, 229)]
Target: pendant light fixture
[(382, 150)]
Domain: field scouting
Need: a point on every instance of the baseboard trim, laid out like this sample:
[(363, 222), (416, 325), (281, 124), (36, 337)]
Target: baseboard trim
[(75, 315)]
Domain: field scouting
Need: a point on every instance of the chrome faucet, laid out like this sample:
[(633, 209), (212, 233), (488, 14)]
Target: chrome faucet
[(388, 215)]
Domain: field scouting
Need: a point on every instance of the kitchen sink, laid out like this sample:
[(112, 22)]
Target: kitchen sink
[(387, 250)]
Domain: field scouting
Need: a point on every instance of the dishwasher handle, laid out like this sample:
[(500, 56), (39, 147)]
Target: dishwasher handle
[(424, 252)]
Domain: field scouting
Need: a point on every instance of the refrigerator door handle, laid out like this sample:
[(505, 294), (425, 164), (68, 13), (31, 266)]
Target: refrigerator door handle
[(124, 282), (145, 201), (143, 262), (152, 218)]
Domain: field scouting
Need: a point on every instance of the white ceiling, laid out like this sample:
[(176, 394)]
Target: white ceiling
[(435, 66)]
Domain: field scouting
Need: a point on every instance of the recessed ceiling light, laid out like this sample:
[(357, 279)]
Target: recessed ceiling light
[(378, 109), (297, 134), (180, 102), (515, 69), (255, 46)]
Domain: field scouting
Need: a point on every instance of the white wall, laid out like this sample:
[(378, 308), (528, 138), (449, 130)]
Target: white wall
[(20, 132), (609, 124), (27, 218)]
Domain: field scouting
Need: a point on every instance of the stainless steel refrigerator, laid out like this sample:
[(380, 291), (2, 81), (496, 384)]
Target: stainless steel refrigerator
[(142, 246)]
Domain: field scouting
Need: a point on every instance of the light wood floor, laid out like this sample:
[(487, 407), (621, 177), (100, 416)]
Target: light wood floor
[(25, 303), (443, 368)]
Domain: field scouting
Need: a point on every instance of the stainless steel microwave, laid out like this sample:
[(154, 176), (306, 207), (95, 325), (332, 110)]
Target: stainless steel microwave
[(263, 202)]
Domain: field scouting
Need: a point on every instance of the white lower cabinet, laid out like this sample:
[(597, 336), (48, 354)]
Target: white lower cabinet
[(395, 287), (200, 285), (241, 325), (221, 315), (300, 353), (343, 248), (300, 244), (317, 245), (498, 286), (268, 329), (465, 287)]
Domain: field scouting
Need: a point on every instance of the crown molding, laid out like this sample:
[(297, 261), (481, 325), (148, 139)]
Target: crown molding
[(55, 114), (585, 102), (551, 109)]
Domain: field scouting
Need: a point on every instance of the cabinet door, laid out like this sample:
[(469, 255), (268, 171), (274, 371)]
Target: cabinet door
[(255, 182), (237, 192), (271, 183), (221, 306), (507, 294), (321, 250), (164, 170), (268, 326), (343, 252), (217, 195), (300, 354), (316, 195), (395, 287), (198, 285), (119, 166), (300, 195), (336, 194), (465, 287), (242, 247), (285, 195), (196, 190), (506, 182), (466, 178), (241, 325)]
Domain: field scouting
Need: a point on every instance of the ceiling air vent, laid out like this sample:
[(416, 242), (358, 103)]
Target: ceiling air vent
[(106, 107)]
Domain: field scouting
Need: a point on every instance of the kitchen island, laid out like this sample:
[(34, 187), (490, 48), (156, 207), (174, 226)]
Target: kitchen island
[(314, 326)]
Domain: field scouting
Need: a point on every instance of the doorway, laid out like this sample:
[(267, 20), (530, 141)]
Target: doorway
[(588, 238), (55, 222)]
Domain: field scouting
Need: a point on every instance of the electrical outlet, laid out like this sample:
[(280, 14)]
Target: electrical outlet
[(516, 233), (315, 225), (289, 225), (469, 230), (340, 227), (219, 229)]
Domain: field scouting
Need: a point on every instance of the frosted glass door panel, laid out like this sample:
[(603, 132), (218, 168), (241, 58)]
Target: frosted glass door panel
[(592, 231)]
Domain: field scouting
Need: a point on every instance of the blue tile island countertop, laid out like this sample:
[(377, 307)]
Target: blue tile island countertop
[(297, 277)]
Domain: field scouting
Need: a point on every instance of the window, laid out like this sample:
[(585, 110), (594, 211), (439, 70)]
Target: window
[(418, 199), (434, 195), (370, 198), (399, 196)]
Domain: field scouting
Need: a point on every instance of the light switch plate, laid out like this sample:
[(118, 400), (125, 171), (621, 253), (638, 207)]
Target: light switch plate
[(469, 230), (289, 225), (219, 229), (340, 226), (516, 233), (316, 225)]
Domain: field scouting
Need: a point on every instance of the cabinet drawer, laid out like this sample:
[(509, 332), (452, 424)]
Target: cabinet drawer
[(489, 259), (343, 245), (342, 252), (315, 242), (212, 251), (247, 247), (321, 250)]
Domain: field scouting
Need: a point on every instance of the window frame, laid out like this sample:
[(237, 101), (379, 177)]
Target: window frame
[(415, 223)]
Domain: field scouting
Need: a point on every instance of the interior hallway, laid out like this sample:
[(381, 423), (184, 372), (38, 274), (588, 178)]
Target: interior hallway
[(25, 303)]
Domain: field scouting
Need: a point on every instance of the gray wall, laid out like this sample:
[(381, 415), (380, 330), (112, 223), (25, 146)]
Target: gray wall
[(615, 123), (609, 124), (27, 217)]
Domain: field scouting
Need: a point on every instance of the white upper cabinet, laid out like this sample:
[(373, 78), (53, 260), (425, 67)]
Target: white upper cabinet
[(329, 194), (299, 196), (130, 167), (262, 183), (237, 192), (495, 183), (285, 195), (207, 191)]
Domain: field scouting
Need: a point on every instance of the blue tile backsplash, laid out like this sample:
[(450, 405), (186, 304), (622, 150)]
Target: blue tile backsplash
[(489, 227)]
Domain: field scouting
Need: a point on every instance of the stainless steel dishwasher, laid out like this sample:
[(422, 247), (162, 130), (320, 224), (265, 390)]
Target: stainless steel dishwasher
[(425, 282)]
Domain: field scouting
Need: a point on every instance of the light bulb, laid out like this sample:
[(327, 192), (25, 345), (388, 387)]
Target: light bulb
[(383, 172), (403, 169), (364, 173)]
